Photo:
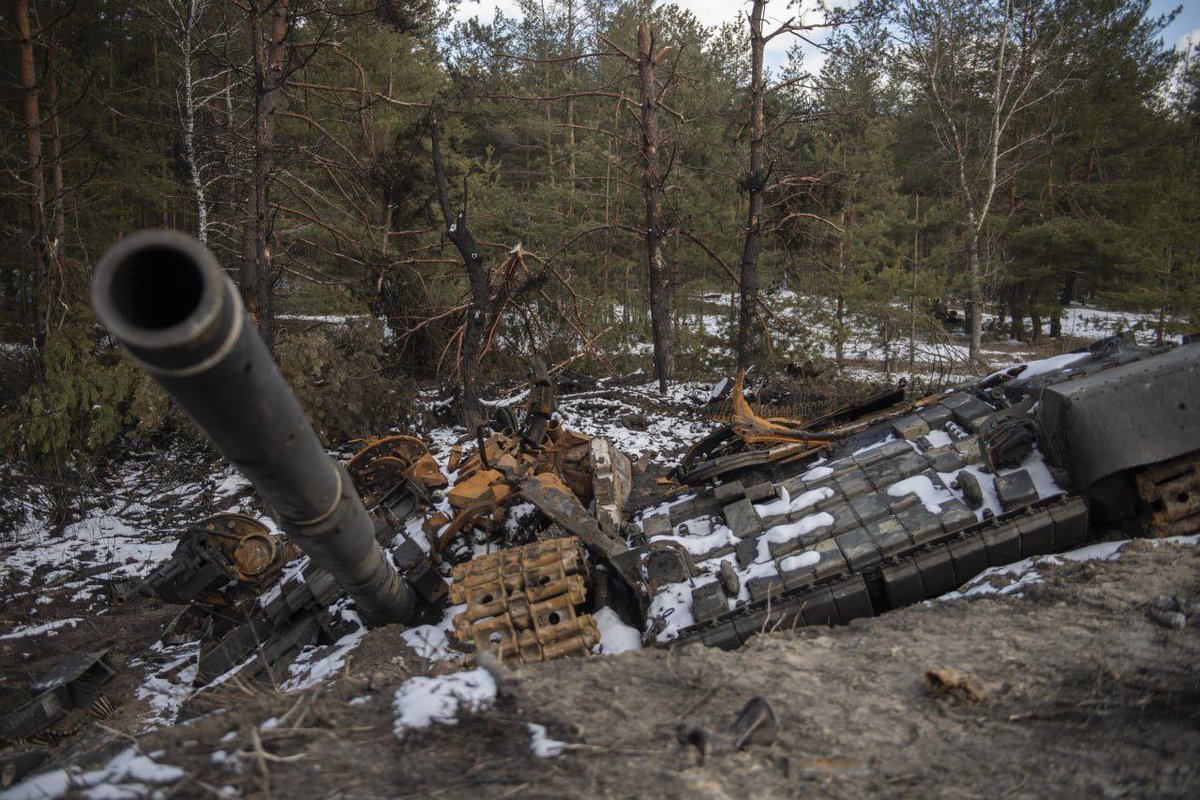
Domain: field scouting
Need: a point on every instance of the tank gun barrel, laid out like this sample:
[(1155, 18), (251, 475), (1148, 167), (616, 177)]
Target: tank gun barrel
[(163, 296)]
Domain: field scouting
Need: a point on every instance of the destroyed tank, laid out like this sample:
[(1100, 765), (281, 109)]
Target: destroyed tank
[(877, 507), (773, 524), (779, 523)]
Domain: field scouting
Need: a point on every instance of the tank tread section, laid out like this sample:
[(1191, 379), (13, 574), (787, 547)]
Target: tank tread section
[(833, 592), (521, 603), (1172, 490)]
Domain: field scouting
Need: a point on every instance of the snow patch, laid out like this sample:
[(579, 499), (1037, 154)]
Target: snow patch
[(170, 686), (938, 438), (307, 672), (1023, 574), (792, 563), (615, 635), (921, 485), (48, 628), (128, 774), (816, 473), (433, 641), (792, 530), (672, 605), (889, 438), (1031, 369), (786, 505), (422, 701), (700, 536), (541, 744)]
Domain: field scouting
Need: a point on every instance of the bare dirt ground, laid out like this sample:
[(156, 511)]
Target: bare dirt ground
[(1082, 695)]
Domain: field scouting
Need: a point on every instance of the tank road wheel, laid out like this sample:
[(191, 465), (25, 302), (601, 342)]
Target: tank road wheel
[(382, 462), (252, 555), (1172, 491)]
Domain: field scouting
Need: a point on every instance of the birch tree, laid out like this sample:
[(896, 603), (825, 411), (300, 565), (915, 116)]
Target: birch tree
[(189, 28), (982, 69)]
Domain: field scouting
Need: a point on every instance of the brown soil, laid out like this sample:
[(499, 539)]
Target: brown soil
[(1083, 695)]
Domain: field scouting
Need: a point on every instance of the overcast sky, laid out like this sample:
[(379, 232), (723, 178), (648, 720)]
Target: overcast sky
[(714, 12)]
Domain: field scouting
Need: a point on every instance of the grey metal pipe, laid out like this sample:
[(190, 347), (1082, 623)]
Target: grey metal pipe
[(163, 296)]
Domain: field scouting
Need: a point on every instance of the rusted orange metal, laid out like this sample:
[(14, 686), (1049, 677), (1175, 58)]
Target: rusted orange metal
[(522, 602), (382, 461), (485, 485), (754, 429), (253, 554), (1172, 490)]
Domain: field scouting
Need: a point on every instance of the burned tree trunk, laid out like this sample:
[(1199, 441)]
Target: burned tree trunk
[(257, 277), (463, 240), (660, 299), (34, 175), (755, 184)]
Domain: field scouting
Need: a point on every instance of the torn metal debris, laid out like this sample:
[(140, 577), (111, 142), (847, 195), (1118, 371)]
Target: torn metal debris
[(60, 704), (777, 523)]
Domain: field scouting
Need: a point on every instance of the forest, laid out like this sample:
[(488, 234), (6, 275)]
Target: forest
[(606, 185)]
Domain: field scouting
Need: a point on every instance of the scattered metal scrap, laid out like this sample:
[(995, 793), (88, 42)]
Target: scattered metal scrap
[(61, 703), (925, 495), (874, 506), (217, 564), (751, 441), (756, 723)]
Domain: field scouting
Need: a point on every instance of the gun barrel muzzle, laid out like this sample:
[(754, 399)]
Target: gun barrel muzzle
[(165, 299)]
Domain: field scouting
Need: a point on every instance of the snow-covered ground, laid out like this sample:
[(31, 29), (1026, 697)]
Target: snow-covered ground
[(1014, 579), (803, 326), (133, 522), (1090, 322), (129, 774), (131, 526)]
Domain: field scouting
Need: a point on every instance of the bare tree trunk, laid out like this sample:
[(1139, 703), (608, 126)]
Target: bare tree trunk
[(385, 233), (188, 18), (461, 237), (660, 300), (34, 176), (571, 109), (257, 274), (546, 90), (983, 137), (1165, 285), (839, 336), (57, 192), (609, 161), (755, 184), (912, 300), (1016, 306), (974, 294)]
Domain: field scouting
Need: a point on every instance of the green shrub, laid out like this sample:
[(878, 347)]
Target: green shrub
[(336, 374), (75, 403)]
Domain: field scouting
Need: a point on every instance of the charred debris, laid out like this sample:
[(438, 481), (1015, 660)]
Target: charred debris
[(770, 523)]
